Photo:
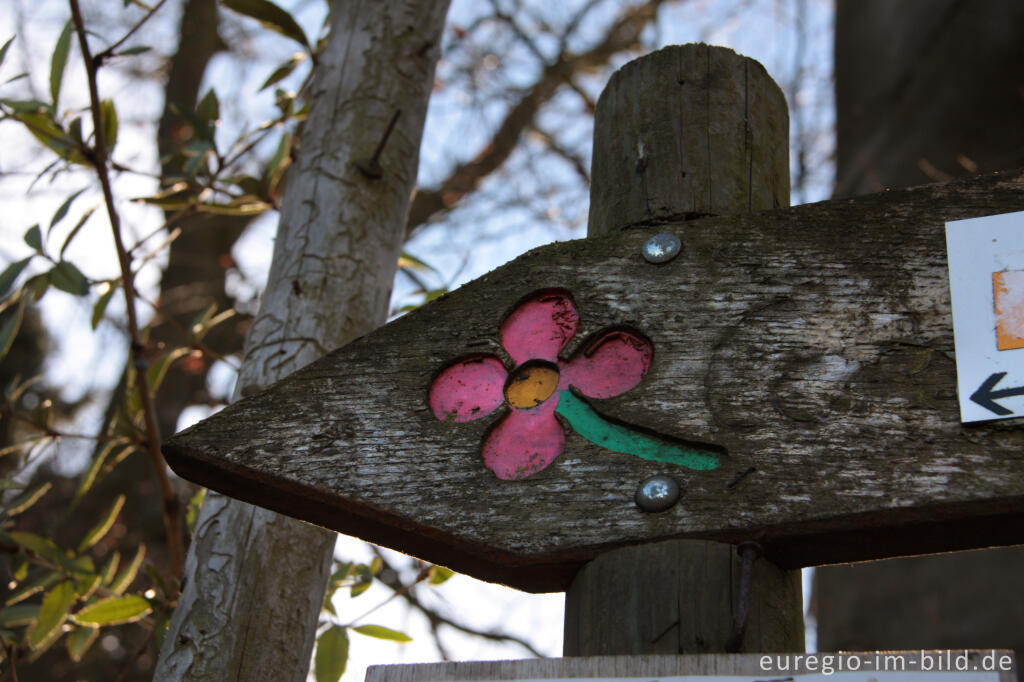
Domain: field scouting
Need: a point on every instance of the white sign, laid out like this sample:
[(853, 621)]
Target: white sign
[(986, 280)]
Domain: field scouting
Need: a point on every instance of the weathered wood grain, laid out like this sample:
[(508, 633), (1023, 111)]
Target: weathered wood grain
[(813, 343), (657, 666), (714, 129), (689, 130)]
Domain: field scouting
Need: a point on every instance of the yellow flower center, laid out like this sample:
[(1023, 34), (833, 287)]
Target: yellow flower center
[(530, 385)]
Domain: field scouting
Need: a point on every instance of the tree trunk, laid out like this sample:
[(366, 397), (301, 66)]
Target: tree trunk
[(914, 106), (254, 580)]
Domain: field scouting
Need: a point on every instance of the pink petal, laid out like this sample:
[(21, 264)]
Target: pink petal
[(525, 442), (471, 388), (611, 366), (540, 327)]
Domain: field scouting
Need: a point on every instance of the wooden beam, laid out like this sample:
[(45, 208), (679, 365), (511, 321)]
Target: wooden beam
[(813, 345)]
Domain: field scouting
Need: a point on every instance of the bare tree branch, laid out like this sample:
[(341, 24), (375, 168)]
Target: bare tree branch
[(623, 34), (390, 577)]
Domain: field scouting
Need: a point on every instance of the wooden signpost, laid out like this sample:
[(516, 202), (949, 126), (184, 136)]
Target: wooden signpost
[(790, 369)]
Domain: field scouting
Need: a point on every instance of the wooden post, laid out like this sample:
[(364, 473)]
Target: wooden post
[(685, 132)]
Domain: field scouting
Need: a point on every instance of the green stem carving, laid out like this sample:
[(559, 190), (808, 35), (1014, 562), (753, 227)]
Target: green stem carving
[(595, 428)]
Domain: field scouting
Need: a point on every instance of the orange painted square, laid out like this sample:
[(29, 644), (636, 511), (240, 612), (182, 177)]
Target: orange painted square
[(1008, 287)]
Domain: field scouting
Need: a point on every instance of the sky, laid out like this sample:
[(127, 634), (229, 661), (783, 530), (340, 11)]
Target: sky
[(475, 240)]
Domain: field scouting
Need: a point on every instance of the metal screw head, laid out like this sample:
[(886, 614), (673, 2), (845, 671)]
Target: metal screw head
[(657, 493), (661, 248)]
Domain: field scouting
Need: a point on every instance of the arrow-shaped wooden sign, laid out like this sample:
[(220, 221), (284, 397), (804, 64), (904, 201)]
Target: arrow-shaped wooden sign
[(791, 370)]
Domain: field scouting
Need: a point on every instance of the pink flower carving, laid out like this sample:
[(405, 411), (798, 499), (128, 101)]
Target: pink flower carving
[(530, 437)]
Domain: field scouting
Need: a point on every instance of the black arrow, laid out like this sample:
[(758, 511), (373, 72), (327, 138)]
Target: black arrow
[(986, 397)]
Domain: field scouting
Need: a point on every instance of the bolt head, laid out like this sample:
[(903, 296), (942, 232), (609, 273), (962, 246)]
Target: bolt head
[(657, 493), (661, 248)]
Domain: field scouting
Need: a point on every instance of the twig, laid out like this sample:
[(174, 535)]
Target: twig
[(172, 510), (105, 54), (48, 432), (435, 619), (194, 344)]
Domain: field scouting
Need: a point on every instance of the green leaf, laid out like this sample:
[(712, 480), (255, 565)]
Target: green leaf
[(90, 475), (37, 584), (363, 582), (19, 566), (114, 611), (128, 573), (439, 575), (360, 587), (45, 129), (196, 157), (376, 565), (100, 308), (381, 632), (44, 547), (62, 212), (279, 162), (97, 532), (208, 108), (242, 206), (192, 510), (407, 260), (3, 50), (331, 654), (74, 230), (52, 614), (134, 50), (34, 238), (340, 574), (75, 130), (79, 641), (108, 117), (249, 185), (202, 326), (23, 614), (59, 61), (158, 370), (27, 499), (86, 584), (10, 275), (271, 16), (66, 277), (284, 70), (107, 574), (25, 106), (37, 285)]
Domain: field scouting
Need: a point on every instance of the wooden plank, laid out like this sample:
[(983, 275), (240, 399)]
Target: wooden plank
[(654, 666), (813, 345)]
